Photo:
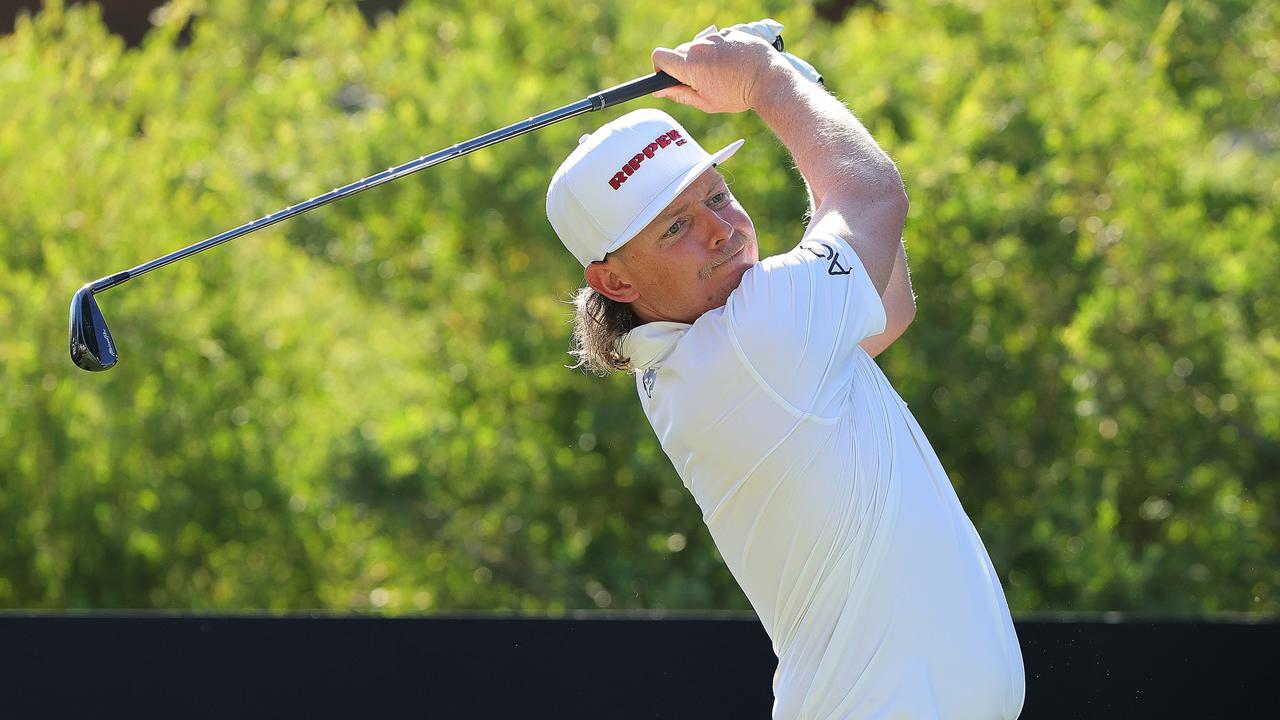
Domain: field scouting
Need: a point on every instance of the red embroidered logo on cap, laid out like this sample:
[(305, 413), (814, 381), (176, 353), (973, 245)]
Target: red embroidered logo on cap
[(664, 140)]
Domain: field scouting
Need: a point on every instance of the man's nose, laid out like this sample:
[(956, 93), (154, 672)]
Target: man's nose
[(721, 229)]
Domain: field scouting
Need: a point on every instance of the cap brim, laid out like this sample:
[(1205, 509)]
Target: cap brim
[(669, 193)]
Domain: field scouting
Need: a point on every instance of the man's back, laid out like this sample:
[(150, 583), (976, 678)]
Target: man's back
[(826, 500)]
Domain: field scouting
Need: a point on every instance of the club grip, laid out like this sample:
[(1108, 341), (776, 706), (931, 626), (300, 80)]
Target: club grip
[(640, 87)]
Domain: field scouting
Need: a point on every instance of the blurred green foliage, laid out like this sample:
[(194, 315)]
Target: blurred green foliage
[(367, 407)]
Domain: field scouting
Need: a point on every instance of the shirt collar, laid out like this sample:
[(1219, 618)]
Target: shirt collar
[(649, 344)]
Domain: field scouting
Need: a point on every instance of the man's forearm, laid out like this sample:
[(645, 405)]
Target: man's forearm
[(832, 150), (855, 187)]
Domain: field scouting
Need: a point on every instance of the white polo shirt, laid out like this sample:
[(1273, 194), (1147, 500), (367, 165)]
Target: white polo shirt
[(825, 499)]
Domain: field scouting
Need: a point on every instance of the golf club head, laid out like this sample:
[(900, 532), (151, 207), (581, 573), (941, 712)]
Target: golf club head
[(91, 345)]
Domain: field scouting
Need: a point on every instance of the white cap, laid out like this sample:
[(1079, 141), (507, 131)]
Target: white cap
[(620, 178)]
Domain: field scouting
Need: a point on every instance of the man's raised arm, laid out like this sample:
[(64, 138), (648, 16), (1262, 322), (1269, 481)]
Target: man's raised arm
[(855, 186)]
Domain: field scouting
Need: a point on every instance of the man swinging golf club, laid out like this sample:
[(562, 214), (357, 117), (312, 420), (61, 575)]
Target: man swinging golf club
[(820, 489)]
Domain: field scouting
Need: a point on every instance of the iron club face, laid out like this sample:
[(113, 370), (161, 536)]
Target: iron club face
[(91, 345)]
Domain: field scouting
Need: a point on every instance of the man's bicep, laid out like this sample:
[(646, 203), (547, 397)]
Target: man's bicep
[(899, 297), (899, 307)]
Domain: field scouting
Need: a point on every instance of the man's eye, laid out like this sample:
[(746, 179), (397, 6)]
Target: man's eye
[(719, 197), (675, 228)]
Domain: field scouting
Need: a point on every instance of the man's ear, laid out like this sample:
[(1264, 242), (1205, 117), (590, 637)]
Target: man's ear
[(604, 277)]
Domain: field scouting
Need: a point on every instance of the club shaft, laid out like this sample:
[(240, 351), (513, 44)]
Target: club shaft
[(605, 98), (393, 173)]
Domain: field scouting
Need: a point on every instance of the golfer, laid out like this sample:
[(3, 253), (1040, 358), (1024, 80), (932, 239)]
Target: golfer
[(817, 484)]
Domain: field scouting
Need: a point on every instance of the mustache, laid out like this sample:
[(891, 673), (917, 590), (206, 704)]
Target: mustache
[(705, 272)]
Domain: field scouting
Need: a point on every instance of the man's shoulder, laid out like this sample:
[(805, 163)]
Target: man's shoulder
[(817, 251), (698, 360)]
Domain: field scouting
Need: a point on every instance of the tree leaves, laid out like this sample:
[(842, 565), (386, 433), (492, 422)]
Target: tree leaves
[(367, 407)]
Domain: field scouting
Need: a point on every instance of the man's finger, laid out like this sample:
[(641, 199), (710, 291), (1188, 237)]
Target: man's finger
[(668, 61), (682, 94)]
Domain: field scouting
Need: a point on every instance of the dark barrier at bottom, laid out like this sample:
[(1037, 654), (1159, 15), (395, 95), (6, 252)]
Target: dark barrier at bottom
[(294, 666)]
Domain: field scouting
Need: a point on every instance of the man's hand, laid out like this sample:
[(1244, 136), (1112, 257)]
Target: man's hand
[(720, 72), (770, 30)]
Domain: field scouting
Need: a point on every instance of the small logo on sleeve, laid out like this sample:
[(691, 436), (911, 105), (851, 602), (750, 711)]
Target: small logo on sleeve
[(827, 252), (650, 378), (666, 139)]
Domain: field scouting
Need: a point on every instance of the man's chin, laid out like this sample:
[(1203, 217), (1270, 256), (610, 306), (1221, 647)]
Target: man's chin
[(733, 272), (737, 270), (740, 263)]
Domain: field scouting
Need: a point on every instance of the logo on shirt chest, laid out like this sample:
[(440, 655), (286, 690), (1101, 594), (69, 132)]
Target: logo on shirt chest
[(650, 378), (827, 252)]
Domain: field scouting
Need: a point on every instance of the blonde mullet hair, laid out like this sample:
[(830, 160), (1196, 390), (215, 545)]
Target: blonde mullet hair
[(599, 325)]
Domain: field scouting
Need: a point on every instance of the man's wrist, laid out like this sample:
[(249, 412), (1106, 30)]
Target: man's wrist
[(776, 84)]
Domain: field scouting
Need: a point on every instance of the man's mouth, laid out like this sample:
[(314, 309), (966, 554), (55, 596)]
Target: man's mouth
[(706, 272)]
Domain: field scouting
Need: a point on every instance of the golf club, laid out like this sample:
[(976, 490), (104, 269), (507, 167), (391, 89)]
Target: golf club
[(92, 347)]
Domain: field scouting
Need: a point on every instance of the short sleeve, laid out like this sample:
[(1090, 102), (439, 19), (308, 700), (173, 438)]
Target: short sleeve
[(797, 318)]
